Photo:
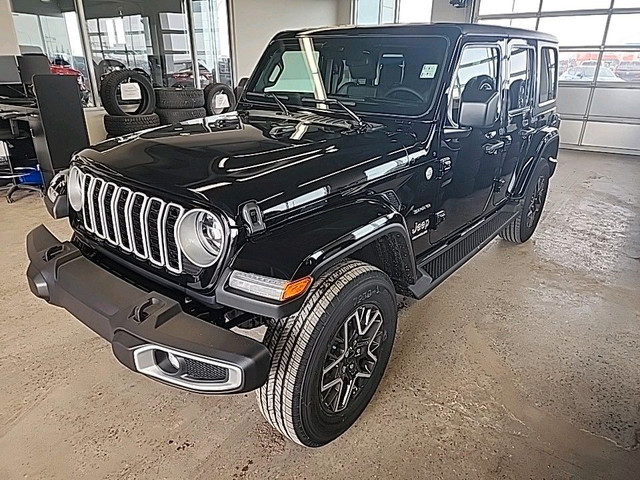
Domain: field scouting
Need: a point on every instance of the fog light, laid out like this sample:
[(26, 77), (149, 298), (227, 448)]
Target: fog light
[(173, 360)]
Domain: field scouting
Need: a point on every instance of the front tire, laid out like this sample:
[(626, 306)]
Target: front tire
[(328, 358)]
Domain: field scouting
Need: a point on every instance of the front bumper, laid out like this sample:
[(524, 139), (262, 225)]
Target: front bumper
[(144, 327)]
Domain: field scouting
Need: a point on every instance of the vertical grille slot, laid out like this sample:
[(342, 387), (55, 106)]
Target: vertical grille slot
[(96, 206), (173, 257), (123, 198), (108, 204), (86, 203), (132, 221), (154, 211), (138, 204)]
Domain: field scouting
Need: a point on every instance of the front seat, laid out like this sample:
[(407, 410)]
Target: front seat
[(363, 72)]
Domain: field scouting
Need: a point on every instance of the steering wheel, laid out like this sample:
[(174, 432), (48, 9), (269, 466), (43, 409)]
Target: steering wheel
[(402, 88)]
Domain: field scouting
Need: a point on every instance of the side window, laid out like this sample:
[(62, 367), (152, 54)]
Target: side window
[(548, 75), (292, 74), (520, 78), (478, 68)]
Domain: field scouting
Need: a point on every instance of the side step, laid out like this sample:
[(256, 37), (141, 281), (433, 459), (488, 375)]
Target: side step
[(446, 260)]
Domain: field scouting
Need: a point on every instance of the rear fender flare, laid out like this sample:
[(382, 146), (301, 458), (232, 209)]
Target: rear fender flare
[(544, 147)]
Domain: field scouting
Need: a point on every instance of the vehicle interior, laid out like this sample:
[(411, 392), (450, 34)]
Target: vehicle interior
[(389, 72)]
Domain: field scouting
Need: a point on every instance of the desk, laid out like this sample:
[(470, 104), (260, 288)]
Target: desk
[(56, 124)]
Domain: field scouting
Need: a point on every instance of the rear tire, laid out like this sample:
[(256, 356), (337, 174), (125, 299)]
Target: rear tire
[(522, 227), (328, 359)]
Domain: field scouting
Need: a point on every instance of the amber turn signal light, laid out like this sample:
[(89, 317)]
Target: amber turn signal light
[(295, 288)]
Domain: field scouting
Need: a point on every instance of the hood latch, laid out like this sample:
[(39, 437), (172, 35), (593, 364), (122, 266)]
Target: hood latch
[(253, 219)]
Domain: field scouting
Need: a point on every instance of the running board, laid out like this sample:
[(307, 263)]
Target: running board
[(447, 259)]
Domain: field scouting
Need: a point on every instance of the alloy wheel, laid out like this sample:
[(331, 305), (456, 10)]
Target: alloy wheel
[(351, 358), (537, 199)]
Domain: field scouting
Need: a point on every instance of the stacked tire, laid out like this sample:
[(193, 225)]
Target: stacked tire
[(175, 105), (122, 119)]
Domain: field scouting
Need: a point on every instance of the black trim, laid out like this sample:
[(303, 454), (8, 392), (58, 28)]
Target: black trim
[(129, 317), (438, 266)]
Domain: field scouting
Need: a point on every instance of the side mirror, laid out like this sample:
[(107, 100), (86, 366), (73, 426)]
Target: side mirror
[(479, 114), (239, 90)]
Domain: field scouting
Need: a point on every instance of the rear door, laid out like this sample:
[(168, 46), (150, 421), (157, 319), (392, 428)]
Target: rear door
[(519, 128)]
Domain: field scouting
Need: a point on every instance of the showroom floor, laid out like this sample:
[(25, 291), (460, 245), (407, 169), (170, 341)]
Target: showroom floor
[(524, 364)]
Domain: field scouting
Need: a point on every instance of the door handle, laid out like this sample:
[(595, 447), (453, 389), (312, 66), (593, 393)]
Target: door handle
[(525, 132), (493, 147)]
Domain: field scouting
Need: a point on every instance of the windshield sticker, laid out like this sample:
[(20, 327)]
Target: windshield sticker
[(429, 70)]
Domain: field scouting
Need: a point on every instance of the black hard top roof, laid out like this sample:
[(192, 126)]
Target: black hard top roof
[(418, 29)]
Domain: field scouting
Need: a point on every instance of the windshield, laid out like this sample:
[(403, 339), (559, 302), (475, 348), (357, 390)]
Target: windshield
[(372, 74)]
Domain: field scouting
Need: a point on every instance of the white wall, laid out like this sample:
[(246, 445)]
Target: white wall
[(443, 11), (255, 22), (8, 39)]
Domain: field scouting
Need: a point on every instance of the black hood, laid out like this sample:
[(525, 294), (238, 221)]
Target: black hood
[(225, 161)]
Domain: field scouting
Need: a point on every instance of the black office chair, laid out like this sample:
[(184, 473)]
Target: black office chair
[(9, 133)]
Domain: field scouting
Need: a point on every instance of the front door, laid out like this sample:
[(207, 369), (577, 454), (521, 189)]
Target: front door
[(470, 158)]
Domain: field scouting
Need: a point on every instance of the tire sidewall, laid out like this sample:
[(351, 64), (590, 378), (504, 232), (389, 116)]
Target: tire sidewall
[(210, 93), (109, 93), (315, 425)]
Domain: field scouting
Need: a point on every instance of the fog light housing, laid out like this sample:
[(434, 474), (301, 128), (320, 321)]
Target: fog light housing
[(269, 287)]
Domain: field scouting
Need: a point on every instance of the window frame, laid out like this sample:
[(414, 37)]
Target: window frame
[(541, 47), (499, 77), (532, 91)]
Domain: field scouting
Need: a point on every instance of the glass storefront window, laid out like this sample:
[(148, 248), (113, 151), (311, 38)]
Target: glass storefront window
[(48, 29), (150, 37), (367, 12), (415, 11), (624, 30), (374, 12), (575, 31), (581, 66), (526, 23), (627, 4), (212, 41), (556, 6), (495, 7)]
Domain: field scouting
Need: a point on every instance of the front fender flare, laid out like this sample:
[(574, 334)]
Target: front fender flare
[(310, 246)]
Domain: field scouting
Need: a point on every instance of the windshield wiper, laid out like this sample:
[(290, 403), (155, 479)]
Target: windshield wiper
[(280, 103), (333, 101)]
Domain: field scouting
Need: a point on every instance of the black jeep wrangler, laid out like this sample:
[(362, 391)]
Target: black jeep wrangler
[(361, 163)]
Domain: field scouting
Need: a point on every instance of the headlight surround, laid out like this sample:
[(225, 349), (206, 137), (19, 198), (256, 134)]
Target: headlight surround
[(74, 188), (200, 236)]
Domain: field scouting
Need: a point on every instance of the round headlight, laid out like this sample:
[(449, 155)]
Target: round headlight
[(200, 237), (74, 188)]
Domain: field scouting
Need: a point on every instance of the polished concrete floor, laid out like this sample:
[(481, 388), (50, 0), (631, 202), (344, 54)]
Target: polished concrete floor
[(524, 364)]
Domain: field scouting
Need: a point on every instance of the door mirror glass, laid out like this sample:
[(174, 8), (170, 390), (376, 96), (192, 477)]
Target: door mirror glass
[(480, 113)]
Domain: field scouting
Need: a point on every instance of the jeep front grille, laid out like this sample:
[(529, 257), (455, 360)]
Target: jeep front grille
[(136, 223)]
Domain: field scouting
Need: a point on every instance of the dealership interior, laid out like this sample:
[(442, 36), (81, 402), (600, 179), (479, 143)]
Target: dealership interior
[(156, 121)]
